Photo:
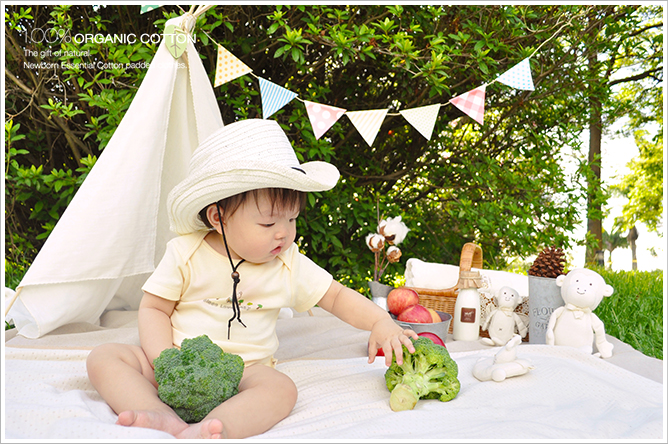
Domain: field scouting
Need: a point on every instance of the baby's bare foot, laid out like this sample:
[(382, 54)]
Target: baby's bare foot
[(172, 424), (207, 429), (164, 421)]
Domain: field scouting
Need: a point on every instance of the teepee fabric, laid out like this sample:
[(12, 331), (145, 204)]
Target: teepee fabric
[(115, 229)]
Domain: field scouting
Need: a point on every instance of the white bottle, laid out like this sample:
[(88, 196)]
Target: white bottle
[(466, 321)]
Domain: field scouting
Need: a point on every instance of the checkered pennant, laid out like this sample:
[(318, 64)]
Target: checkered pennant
[(472, 103)]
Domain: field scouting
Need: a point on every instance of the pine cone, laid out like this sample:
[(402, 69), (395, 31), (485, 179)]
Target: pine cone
[(549, 263)]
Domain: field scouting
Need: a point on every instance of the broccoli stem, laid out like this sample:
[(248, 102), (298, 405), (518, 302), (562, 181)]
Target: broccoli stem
[(413, 386), (402, 398)]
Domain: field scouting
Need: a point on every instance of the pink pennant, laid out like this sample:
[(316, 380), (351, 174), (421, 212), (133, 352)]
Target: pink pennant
[(472, 103), (322, 117)]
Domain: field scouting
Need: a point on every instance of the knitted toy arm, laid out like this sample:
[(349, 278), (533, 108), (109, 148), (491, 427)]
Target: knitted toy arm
[(549, 334), (604, 347)]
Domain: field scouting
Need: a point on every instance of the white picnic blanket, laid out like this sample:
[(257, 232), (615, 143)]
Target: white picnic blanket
[(569, 395)]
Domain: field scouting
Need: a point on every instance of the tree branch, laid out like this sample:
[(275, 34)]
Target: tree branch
[(640, 76)]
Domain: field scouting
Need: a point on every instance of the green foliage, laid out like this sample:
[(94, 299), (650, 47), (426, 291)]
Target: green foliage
[(197, 378), (643, 186), (634, 313), (500, 185), (633, 73)]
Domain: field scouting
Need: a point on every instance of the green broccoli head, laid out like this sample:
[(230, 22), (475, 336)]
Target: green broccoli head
[(197, 378), (429, 373)]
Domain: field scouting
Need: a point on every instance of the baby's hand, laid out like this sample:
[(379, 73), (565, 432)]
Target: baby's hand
[(389, 337)]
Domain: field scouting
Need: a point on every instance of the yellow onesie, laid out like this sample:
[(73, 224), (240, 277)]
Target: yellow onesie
[(198, 278)]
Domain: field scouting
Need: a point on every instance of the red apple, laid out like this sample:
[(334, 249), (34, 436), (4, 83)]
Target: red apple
[(434, 337), (434, 316), (399, 299), (416, 314)]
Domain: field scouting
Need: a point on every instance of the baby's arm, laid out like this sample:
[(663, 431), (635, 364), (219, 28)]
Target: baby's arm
[(358, 311), (155, 326)]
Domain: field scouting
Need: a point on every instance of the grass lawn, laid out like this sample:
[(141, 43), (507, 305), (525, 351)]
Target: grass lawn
[(634, 313)]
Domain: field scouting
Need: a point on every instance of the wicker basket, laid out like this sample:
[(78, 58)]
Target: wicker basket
[(444, 300)]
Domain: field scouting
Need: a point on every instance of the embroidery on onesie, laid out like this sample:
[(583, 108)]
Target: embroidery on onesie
[(227, 302)]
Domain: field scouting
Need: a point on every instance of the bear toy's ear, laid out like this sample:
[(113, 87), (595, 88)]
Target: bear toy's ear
[(560, 280), (608, 290)]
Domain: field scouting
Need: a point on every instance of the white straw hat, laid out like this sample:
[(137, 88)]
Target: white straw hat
[(242, 156)]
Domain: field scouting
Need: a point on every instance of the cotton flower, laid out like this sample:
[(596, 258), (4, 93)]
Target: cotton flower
[(375, 242), (393, 229), (393, 254)]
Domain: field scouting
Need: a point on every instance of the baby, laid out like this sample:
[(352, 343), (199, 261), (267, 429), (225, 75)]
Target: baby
[(235, 214)]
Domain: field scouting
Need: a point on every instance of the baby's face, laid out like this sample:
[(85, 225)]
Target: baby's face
[(256, 234)]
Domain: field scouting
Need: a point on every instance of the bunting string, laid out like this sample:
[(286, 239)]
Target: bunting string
[(368, 122)]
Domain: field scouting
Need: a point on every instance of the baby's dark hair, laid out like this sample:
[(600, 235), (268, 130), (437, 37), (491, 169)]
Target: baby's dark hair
[(280, 198)]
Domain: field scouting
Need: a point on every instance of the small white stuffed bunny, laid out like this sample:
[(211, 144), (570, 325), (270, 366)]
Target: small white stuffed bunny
[(574, 324), (504, 364), (502, 322)]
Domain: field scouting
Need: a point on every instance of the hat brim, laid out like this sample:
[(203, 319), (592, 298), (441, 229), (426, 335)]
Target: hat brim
[(189, 197)]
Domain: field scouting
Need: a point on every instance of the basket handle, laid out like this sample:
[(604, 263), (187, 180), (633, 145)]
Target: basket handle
[(471, 257)]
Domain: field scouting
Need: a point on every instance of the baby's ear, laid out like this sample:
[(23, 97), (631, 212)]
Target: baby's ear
[(212, 215), (608, 290)]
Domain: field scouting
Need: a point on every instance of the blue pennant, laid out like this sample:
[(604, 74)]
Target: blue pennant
[(274, 97)]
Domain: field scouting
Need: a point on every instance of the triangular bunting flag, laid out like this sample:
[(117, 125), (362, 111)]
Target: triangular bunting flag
[(472, 103), (274, 97), (322, 117), (423, 118), (367, 122), (228, 67), (519, 76), (148, 8)]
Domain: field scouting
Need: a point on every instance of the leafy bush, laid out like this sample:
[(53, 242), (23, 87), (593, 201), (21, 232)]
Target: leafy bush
[(500, 185)]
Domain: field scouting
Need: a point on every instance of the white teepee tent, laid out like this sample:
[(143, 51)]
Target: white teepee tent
[(115, 229)]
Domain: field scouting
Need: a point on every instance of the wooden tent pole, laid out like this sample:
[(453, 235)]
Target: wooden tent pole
[(16, 295)]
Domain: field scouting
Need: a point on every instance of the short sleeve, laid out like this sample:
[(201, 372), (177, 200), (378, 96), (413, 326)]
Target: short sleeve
[(310, 282), (170, 277)]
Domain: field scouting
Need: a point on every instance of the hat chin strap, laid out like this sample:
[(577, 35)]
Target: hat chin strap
[(235, 277)]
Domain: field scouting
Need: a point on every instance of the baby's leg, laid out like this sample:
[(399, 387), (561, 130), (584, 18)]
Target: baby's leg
[(123, 376), (266, 396)]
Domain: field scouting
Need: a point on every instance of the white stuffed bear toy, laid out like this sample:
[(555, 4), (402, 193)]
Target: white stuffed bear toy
[(502, 321), (574, 324)]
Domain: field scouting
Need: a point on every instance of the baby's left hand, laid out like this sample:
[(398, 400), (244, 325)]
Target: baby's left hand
[(389, 337)]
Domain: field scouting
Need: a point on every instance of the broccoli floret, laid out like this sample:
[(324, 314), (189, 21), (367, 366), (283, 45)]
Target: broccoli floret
[(429, 373), (197, 378)]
